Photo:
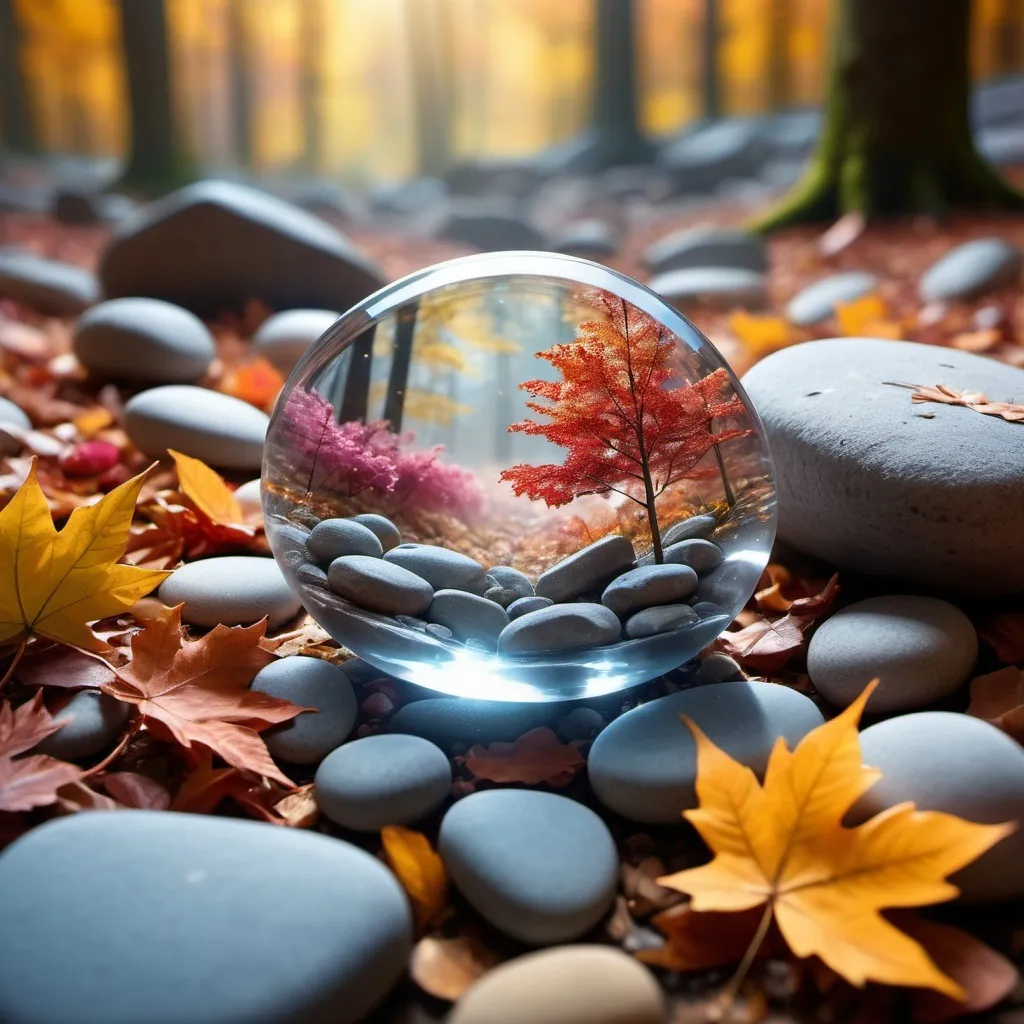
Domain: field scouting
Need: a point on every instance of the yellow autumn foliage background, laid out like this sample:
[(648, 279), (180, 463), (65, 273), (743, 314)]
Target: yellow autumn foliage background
[(522, 72)]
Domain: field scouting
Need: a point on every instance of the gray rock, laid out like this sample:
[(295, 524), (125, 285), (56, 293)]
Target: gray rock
[(468, 616), (511, 579), (818, 301), (700, 555), (525, 605), (719, 668), (145, 340), (379, 585), (707, 246), (234, 590), (707, 609), (928, 493), (222, 431), (647, 586), (501, 596), (284, 338), (701, 526), (442, 568), (662, 619), (540, 867), (921, 649), (972, 269), (311, 683), (448, 720), (385, 530), (644, 765), (332, 538), (580, 724), (583, 984), (716, 286), (587, 238), (586, 570), (11, 414), (708, 154), (249, 498), (382, 780), (205, 944), (92, 721), (485, 226), (214, 245), (562, 627), (312, 576), (959, 765), (287, 536), (47, 286), (728, 586)]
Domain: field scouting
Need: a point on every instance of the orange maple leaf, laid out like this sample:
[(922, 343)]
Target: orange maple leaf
[(420, 870), (536, 757), (197, 693)]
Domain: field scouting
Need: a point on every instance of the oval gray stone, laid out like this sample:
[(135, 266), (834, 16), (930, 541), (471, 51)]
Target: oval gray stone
[(442, 568), (385, 530), (144, 340), (540, 867), (448, 720), (587, 238), (468, 616), (662, 619), (960, 765), (701, 526), (707, 246), (718, 286), (920, 648), (47, 286), (818, 301), (511, 579), (718, 668), (581, 724), (312, 683), (647, 586), (525, 605), (332, 538), (233, 590), (284, 338), (92, 721), (311, 575), (644, 765), (12, 414), (215, 949), (700, 555), (382, 780), (222, 431), (501, 596), (562, 627), (928, 493), (587, 569), (972, 269), (379, 585)]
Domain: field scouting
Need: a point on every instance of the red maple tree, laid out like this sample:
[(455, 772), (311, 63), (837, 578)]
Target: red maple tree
[(626, 428)]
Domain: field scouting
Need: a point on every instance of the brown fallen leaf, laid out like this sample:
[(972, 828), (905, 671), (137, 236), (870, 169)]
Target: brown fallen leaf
[(134, 790), (1004, 633), (536, 757), (977, 341), (420, 870), (65, 667), (640, 886), (310, 639), (785, 593), (765, 646), (1010, 411), (298, 809), (996, 693), (198, 692), (33, 780), (445, 967), (205, 788)]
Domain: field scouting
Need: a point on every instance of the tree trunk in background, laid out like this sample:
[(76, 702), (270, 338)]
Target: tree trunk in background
[(17, 132), (711, 93), (312, 31), (780, 22), (1008, 29), (156, 160), (897, 138), (239, 83), (431, 57)]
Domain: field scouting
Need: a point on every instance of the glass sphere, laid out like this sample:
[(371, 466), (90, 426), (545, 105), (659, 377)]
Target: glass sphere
[(518, 476)]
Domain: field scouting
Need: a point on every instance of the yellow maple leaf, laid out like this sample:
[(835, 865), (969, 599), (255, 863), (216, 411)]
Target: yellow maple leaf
[(206, 490), (52, 584), (420, 870), (867, 317), (783, 844), (761, 334)]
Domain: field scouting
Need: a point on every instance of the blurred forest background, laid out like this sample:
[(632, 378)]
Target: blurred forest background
[(330, 87)]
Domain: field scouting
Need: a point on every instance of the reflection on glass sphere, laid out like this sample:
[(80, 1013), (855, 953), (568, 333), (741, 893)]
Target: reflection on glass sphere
[(518, 476)]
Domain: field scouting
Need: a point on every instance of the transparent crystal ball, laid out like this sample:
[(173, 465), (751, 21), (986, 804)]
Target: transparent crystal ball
[(527, 478)]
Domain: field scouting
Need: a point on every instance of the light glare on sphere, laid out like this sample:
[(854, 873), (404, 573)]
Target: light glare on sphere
[(517, 410)]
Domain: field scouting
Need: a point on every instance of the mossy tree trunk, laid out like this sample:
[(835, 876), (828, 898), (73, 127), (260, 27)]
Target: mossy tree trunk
[(897, 137)]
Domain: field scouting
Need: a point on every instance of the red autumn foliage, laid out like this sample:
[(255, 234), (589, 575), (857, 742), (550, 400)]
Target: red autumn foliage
[(626, 427)]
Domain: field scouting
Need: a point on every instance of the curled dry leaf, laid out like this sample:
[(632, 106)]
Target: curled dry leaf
[(1004, 633), (420, 870), (781, 846), (999, 698), (787, 593), (536, 757), (309, 638), (205, 788), (445, 967), (766, 646), (298, 809), (1010, 411)]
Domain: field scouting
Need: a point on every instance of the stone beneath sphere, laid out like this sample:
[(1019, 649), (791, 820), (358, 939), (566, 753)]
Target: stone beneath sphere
[(581, 724), (144, 340), (718, 668), (449, 720), (233, 590), (587, 569), (921, 650), (959, 765), (647, 586), (311, 683), (818, 301), (870, 482), (157, 916), (386, 531), (91, 721), (586, 984), (332, 538), (972, 269), (218, 429), (284, 338), (46, 286), (442, 568), (700, 555), (468, 616), (662, 619), (561, 627), (503, 597), (379, 585), (644, 765), (539, 867)]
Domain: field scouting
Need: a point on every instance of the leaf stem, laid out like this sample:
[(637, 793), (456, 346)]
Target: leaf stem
[(729, 993), (117, 751), (14, 661)]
